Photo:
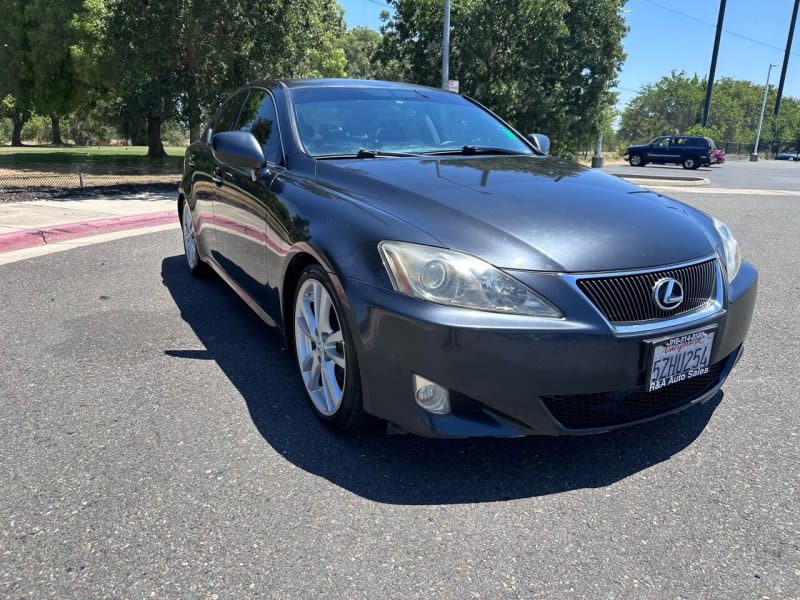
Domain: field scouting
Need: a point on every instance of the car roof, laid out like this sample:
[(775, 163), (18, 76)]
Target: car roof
[(330, 83)]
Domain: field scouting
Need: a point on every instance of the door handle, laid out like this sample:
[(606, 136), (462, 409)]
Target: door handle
[(216, 176)]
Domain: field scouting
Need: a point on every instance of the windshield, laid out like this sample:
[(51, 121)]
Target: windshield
[(340, 120)]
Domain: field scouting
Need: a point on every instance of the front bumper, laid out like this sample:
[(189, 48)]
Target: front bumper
[(511, 376)]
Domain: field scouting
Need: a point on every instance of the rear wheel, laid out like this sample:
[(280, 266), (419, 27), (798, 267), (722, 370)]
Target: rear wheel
[(690, 162), (636, 160), (325, 353)]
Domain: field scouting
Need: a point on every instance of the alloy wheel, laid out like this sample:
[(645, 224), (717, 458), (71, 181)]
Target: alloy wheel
[(189, 239), (320, 347)]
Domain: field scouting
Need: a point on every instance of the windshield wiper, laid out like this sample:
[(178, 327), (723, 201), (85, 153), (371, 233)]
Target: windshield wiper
[(473, 150), (363, 153), (376, 153)]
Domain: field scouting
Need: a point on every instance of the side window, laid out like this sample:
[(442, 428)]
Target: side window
[(260, 119), (228, 114), (679, 141)]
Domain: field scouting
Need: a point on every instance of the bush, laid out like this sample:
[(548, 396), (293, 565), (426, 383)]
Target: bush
[(5, 131), (39, 130), (174, 134)]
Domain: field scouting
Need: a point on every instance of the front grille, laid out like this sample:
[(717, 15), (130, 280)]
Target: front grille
[(629, 298), (587, 411)]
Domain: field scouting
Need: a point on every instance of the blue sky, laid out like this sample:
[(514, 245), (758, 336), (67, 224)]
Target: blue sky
[(679, 34)]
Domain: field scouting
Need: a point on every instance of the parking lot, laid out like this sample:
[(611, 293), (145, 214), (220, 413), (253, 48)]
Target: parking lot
[(155, 442), (734, 173)]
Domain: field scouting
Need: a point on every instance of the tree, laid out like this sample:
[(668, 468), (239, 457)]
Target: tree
[(545, 66), (673, 104), (16, 69), (12, 108), (180, 58), (669, 106), (57, 88), (359, 45), (37, 69), (143, 59)]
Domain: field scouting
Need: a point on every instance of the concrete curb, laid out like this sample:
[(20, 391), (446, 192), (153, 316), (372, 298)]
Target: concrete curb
[(657, 180), (38, 236)]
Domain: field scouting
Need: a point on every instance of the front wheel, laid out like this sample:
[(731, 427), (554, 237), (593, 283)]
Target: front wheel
[(196, 266), (636, 160), (325, 353)]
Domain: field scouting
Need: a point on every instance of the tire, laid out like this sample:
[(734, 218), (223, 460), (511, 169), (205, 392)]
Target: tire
[(690, 162), (196, 266), (636, 160), (325, 354)]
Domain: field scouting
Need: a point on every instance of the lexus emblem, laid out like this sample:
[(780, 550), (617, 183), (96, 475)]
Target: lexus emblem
[(668, 293)]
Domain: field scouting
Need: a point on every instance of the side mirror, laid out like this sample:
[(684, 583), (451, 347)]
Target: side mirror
[(238, 149), (540, 141)]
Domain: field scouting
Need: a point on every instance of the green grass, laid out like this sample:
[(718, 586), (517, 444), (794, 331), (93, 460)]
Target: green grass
[(127, 156)]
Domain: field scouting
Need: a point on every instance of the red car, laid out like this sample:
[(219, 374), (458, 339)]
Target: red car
[(718, 157)]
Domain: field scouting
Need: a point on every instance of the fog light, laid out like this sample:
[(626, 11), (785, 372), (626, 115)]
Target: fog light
[(431, 396)]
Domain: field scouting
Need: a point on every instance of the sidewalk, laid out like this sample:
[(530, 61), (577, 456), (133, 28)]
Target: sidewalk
[(49, 222)]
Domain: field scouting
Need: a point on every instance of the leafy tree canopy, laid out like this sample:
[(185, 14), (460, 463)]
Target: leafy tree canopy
[(359, 45), (166, 58), (545, 66), (674, 104)]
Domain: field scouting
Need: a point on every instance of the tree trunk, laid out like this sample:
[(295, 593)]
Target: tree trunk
[(155, 149), (57, 141), (194, 134), (193, 113), (16, 133)]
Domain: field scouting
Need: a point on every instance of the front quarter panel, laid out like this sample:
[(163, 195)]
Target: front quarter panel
[(334, 229)]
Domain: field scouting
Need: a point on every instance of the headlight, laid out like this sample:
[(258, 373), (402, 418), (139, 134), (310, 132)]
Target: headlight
[(457, 279), (730, 249)]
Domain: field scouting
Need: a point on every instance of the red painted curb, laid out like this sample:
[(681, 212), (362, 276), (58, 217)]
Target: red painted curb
[(58, 233)]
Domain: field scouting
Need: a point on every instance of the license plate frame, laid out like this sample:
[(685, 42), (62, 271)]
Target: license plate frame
[(678, 357)]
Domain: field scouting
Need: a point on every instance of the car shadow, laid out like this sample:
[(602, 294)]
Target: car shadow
[(403, 469)]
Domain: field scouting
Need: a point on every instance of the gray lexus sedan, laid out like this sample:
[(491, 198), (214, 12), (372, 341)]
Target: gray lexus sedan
[(433, 269)]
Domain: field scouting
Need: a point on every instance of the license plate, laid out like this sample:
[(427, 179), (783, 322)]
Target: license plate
[(680, 357)]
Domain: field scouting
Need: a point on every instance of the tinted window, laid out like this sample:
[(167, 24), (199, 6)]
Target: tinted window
[(228, 114), (259, 118)]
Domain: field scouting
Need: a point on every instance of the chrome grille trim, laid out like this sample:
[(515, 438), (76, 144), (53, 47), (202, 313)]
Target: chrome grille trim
[(624, 299)]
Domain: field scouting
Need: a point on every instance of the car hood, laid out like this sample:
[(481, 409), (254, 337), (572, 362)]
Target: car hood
[(530, 213)]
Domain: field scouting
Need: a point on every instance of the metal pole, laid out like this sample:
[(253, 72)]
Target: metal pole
[(713, 69), (754, 155), (597, 159), (446, 46), (786, 58)]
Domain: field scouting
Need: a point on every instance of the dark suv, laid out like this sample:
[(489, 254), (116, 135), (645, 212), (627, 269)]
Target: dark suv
[(688, 150)]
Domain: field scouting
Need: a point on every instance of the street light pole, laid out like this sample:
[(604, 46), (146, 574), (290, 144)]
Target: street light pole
[(446, 46), (754, 155)]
